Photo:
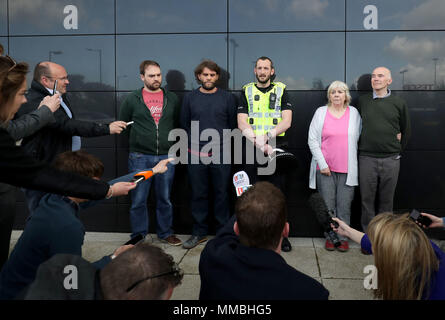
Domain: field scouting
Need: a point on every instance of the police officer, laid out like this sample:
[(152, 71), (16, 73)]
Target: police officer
[(264, 115)]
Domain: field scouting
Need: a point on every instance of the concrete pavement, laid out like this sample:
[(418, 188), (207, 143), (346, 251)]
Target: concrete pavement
[(341, 273)]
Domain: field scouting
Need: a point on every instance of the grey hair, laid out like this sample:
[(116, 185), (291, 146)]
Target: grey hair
[(340, 85)]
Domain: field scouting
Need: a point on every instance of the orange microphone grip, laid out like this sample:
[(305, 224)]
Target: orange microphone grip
[(144, 174)]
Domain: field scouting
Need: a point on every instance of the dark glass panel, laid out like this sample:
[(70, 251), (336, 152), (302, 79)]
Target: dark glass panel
[(89, 60), (142, 16), (303, 61), (3, 18), (4, 43), (421, 181), (416, 59), (100, 218), (396, 14), (285, 15), (98, 107), (52, 17), (178, 56)]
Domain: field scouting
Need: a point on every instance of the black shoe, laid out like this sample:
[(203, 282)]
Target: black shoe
[(285, 245)]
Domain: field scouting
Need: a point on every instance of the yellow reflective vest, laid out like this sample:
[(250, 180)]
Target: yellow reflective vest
[(261, 116)]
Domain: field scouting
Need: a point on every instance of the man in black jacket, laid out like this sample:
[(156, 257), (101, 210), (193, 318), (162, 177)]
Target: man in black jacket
[(243, 261), (63, 134)]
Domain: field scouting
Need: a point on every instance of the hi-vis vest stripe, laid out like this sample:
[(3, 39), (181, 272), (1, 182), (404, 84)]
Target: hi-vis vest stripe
[(261, 117)]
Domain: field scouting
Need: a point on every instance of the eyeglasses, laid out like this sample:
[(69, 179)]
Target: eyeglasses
[(63, 78), (176, 271), (13, 62)]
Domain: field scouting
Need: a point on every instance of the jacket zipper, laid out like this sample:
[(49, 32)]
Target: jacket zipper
[(164, 105)]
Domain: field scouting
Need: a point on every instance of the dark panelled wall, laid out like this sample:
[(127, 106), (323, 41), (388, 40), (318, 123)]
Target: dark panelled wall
[(312, 43)]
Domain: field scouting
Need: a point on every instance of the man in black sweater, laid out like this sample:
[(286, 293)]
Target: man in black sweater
[(205, 110), (243, 261), (385, 132), (63, 134)]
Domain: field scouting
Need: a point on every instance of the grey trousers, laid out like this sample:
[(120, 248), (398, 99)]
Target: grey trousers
[(336, 194), (377, 176)]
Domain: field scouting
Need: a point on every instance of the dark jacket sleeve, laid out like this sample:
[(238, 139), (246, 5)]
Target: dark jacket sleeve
[(81, 128), (21, 170), (29, 123)]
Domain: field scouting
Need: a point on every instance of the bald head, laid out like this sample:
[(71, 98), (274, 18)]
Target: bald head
[(46, 72), (380, 80)]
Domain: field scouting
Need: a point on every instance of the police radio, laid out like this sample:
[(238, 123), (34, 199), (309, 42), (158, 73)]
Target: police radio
[(272, 100)]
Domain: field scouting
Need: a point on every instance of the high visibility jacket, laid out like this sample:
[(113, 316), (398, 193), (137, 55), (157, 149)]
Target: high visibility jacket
[(261, 115)]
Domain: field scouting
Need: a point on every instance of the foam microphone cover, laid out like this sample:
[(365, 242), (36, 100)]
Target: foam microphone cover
[(317, 204)]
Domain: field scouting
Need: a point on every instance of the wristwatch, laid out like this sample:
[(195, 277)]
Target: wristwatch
[(269, 135)]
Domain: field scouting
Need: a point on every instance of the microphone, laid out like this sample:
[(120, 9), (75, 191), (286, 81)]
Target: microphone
[(286, 158), (324, 217), (142, 176), (241, 182)]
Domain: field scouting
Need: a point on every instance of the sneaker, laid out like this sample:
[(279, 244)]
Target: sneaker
[(343, 247), (172, 240), (193, 241), (285, 245), (329, 245)]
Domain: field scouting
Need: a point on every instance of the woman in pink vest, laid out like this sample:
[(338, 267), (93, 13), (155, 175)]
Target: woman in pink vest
[(333, 136)]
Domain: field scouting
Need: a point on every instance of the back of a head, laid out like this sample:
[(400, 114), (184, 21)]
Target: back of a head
[(404, 257), (12, 76), (79, 162), (144, 272), (261, 214)]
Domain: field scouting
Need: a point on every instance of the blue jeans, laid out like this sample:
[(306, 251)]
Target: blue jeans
[(202, 179), (163, 185)]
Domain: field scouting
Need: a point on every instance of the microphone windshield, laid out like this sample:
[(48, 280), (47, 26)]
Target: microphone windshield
[(317, 204)]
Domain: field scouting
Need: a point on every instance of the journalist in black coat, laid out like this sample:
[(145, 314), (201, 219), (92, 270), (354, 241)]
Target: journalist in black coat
[(63, 134), (243, 261), (57, 137)]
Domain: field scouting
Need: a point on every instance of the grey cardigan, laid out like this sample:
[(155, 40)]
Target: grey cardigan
[(314, 142)]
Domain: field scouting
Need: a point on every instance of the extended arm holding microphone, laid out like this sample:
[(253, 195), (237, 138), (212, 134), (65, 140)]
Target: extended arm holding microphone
[(160, 167), (344, 230), (324, 217)]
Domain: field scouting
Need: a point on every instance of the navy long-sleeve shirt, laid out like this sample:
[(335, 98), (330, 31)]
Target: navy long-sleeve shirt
[(212, 111)]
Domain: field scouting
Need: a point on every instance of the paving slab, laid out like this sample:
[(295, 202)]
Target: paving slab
[(190, 262), (303, 259), (347, 289), (343, 265), (188, 289)]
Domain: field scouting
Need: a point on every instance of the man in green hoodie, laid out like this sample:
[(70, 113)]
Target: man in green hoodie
[(153, 112)]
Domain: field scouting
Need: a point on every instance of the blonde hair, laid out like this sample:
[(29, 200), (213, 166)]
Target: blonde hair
[(339, 85), (404, 257)]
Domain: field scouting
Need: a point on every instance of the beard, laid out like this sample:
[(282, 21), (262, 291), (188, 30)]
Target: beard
[(263, 81), (208, 85), (153, 86)]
